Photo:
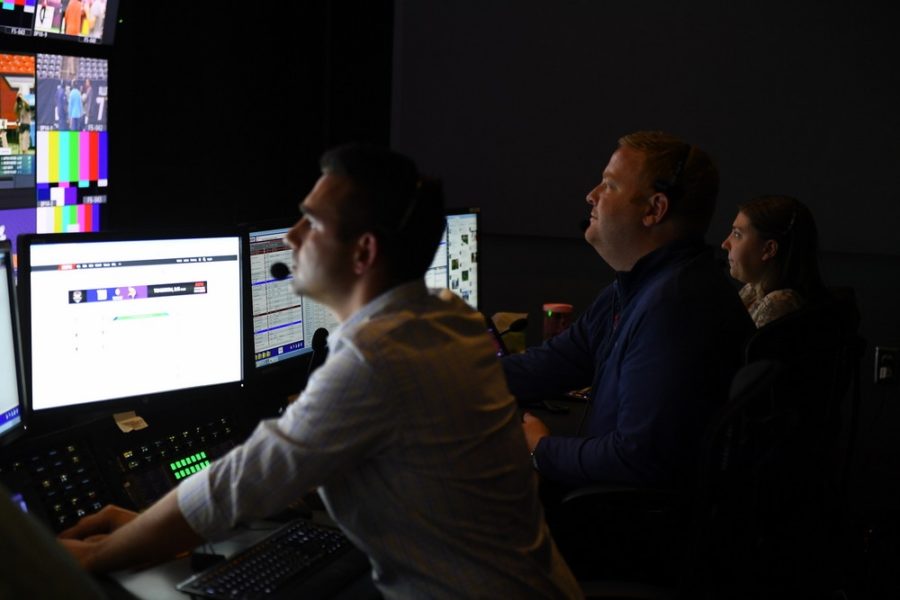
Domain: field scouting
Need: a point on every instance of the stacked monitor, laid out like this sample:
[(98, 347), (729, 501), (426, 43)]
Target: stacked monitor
[(54, 105), (110, 316), (12, 380), (83, 21)]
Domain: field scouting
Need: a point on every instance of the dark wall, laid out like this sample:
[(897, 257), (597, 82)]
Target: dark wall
[(519, 105), (219, 116)]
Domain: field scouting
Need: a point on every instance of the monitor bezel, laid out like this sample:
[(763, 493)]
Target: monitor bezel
[(160, 400), (24, 401)]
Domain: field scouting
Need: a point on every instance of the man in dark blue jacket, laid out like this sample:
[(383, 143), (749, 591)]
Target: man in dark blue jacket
[(660, 345)]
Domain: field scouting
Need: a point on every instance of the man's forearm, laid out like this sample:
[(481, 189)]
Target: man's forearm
[(157, 535)]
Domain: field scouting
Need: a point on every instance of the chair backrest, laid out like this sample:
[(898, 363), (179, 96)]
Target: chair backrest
[(771, 476), (819, 348)]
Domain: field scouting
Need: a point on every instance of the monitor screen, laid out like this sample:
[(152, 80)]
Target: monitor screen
[(455, 264), (12, 381), (85, 21), (72, 135), (112, 316), (283, 322), (54, 144), (17, 108)]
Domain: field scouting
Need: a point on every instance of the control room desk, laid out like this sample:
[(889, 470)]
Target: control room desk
[(158, 582)]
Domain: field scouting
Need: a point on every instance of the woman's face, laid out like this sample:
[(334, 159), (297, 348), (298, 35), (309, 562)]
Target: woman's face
[(748, 253)]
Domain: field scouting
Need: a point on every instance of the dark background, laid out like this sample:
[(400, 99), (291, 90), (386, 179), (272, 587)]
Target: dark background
[(519, 105), (219, 117)]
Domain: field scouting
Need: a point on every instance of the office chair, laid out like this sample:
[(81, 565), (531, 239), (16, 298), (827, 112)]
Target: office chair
[(658, 544), (801, 504), (764, 517)]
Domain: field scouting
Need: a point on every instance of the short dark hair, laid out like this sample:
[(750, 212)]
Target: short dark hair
[(683, 172), (790, 223), (391, 199)]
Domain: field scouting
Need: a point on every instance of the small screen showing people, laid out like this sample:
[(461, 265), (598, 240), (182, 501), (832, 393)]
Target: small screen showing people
[(17, 130), (85, 21)]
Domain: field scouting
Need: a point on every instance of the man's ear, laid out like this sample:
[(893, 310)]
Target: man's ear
[(770, 250), (367, 251), (655, 209)]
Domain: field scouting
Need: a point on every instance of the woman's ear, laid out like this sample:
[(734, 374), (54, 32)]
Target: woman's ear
[(770, 250)]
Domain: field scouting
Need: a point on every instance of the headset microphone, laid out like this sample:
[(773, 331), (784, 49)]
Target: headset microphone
[(319, 350)]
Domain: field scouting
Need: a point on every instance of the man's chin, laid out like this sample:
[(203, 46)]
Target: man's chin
[(298, 287)]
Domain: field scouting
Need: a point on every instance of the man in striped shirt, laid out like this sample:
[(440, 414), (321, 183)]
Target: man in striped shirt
[(408, 430)]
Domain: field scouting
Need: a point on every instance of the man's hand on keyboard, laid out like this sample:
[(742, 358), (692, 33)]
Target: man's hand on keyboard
[(99, 524), (83, 538)]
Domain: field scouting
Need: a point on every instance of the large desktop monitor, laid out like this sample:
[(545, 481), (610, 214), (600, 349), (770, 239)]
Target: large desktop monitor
[(12, 378), (124, 316)]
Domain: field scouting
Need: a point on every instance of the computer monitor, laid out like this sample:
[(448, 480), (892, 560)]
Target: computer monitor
[(72, 134), (91, 22), (18, 94), (111, 316), (283, 322), (455, 264), (12, 378), (54, 165)]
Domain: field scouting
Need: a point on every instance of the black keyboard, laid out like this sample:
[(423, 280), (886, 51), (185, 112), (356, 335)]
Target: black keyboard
[(66, 475), (65, 480), (298, 558)]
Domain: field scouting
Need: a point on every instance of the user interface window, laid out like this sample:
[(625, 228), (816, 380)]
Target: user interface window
[(114, 319)]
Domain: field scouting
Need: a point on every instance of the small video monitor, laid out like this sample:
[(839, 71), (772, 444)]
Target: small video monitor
[(283, 321), (109, 316), (12, 377), (455, 264), (81, 21), (72, 166)]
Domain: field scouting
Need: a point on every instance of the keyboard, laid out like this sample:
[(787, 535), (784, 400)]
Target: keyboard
[(64, 476), (299, 559), (64, 479)]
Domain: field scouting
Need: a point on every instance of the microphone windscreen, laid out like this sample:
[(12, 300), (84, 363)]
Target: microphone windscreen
[(280, 270), (319, 339)]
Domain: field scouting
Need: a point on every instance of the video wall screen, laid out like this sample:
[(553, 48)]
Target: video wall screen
[(54, 143), (83, 21)]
